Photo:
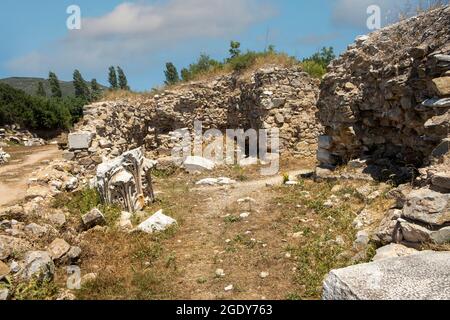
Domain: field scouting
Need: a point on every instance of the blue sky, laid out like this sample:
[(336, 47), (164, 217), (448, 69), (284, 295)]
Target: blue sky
[(141, 36)]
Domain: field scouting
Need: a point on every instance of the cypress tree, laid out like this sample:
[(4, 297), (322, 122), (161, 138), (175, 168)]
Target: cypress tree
[(171, 74), (54, 85), (112, 78), (81, 89), (123, 82)]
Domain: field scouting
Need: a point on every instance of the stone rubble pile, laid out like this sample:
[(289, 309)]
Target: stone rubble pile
[(385, 107), (14, 134)]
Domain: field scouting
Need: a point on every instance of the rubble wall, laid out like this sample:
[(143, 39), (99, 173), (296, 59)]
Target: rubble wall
[(387, 96), (269, 98)]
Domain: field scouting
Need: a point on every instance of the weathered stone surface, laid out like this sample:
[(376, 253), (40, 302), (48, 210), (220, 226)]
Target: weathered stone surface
[(422, 276), (198, 164), (120, 181), (8, 245), (441, 236), (92, 219), (4, 270), (393, 250), (391, 96), (442, 86), (157, 222), (441, 180), (428, 206), (58, 248), (38, 264), (80, 140), (413, 232), (4, 157)]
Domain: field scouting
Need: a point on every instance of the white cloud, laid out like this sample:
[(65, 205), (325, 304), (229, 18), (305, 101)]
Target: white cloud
[(132, 32), (353, 13)]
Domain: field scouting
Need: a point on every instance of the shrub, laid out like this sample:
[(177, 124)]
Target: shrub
[(314, 69)]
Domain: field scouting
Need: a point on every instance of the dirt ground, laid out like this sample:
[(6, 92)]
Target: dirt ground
[(14, 175)]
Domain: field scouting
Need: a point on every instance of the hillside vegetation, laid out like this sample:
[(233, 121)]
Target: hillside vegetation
[(33, 112)]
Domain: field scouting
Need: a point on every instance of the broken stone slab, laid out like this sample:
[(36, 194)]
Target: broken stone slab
[(427, 206), (80, 140), (393, 250), (414, 233), (422, 276), (93, 218), (198, 164), (216, 181), (156, 223), (120, 181), (38, 264)]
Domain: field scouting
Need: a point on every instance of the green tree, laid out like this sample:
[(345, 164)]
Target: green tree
[(81, 88), (54, 85), (41, 90), (235, 50), (112, 78), (123, 82), (171, 74), (95, 89)]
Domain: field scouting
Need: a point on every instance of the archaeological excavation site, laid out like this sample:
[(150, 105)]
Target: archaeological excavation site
[(264, 183)]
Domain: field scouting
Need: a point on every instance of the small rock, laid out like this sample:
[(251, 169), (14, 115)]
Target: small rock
[(244, 215), (58, 248), (229, 288), (58, 219), (157, 222), (92, 219), (36, 229), (220, 273), (264, 274), (88, 278)]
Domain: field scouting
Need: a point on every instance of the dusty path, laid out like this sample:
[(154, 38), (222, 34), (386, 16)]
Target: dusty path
[(201, 246), (15, 174)]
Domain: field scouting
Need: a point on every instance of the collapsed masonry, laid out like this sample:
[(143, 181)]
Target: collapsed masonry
[(386, 103), (282, 98)]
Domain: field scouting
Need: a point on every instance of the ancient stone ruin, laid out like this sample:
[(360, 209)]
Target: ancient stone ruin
[(282, 98), (126, 181), (385, 107)]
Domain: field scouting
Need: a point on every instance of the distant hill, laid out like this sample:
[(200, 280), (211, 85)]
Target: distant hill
[(30, 85)]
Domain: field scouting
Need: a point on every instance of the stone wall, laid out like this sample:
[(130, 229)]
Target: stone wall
[(388, 95), (268, 98)]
